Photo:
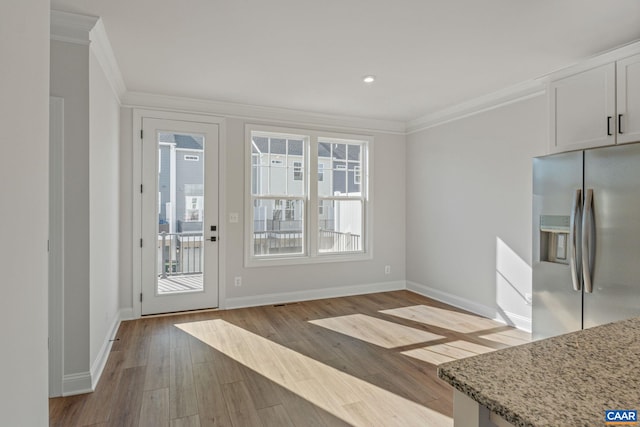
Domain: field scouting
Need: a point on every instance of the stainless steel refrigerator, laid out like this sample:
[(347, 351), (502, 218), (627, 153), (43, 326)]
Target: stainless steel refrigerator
[(586, 239)]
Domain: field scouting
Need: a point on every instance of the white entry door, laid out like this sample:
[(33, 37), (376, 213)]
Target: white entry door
[(179, 216)]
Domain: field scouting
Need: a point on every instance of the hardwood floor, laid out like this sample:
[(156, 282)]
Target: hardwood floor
[(363, 360)]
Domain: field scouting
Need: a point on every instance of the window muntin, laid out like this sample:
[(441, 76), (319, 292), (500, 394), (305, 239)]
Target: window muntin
[(281, 227)]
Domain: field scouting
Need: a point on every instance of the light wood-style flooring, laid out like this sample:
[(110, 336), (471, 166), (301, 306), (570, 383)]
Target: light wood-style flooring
[(367, 360)]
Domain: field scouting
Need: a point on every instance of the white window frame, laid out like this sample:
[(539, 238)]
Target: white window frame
[(311, 254)]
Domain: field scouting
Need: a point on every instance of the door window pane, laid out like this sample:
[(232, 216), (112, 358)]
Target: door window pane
[(180, 213)]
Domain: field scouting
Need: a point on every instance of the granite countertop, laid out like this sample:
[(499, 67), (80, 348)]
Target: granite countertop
[(569, 380)]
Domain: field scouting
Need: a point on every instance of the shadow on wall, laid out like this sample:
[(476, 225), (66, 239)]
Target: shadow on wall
[(513, 285)]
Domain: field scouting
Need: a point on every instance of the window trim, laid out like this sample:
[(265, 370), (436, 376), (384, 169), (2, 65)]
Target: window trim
[(311, 253)]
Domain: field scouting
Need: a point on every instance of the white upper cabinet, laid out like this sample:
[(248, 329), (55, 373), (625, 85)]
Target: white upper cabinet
[(583, 109), (596, 107), (628, 113)]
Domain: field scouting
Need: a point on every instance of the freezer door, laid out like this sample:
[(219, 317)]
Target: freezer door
[(613, 173), (557, 300)]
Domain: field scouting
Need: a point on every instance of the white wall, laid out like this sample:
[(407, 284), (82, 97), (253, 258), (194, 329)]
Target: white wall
[(24, 113), (269, 284), (469, 208), (70, 80), (104, 152)]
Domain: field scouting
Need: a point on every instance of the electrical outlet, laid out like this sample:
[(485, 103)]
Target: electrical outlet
[(237, 281), (528, 298), (234, 217), (387, 269)]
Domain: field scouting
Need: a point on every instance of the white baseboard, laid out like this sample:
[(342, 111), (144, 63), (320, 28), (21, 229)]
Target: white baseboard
[(288, 297), (451, 299), (76, 384), (101, 360), (85, 382), (521, 322), (510, 319)]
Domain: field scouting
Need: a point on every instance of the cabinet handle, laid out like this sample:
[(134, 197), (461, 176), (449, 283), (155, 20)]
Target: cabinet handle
[(609, 125), (619, 123)]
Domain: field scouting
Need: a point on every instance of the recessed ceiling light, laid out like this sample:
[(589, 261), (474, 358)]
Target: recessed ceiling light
[(369, 79)]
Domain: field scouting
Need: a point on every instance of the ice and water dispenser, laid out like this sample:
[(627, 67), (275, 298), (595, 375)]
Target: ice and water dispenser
[(554, 238)]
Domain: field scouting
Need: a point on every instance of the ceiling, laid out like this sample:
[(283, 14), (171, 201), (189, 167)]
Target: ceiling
[(311, 55)]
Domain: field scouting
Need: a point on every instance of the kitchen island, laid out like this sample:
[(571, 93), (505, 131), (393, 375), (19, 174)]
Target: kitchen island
[(568, 380)]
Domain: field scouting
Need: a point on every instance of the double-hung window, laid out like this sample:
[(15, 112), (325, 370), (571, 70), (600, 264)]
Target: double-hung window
[(307, 196)]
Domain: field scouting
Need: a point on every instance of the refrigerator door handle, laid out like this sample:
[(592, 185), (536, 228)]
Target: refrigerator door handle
[(574, 231), (588, 245)]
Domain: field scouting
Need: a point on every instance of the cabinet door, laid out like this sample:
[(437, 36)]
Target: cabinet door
[(628, 82), (582, 109)]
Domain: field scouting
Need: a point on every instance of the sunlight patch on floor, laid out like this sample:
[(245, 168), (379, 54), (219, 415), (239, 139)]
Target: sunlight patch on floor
[(442, 318), (353, 400), (376, 331), (441, 353), (510, 337)]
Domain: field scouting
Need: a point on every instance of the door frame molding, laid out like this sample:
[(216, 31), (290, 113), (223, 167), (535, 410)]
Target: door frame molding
[(138, 115), (56, 246)]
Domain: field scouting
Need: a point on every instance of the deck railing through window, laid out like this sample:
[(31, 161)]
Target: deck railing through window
[(291, 241), (335, 241), (179, 254)]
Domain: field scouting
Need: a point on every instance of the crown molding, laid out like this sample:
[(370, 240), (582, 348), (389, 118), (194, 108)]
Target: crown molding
[(71, 27), (497, 99), (519, 92), (101, 47), (261, 113), (612, 55), (89, 31)]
